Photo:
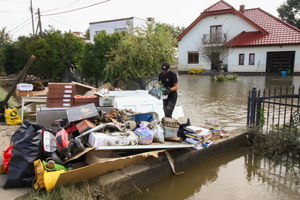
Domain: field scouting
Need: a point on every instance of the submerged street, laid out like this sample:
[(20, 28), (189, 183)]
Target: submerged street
[(234, 174)]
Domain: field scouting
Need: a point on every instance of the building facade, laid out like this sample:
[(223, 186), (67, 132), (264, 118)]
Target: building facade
[(111, 26), (253, 41)]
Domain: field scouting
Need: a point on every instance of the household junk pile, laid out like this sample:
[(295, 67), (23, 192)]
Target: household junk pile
[(89, 133)]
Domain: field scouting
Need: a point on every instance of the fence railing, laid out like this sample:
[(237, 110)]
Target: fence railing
[(216, 38), (272, 109)]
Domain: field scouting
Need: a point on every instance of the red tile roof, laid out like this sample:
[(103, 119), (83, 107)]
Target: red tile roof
[(220, 5), (279, 32), (271, 30)]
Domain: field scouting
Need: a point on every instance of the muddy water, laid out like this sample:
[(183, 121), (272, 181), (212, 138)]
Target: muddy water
[(207, 102), (234, 174)]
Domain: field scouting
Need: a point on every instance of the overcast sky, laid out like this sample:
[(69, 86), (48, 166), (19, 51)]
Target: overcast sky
[(15, 14)]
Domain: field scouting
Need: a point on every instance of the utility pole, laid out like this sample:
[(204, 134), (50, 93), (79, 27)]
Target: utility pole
[(32, 20), (40, 22)]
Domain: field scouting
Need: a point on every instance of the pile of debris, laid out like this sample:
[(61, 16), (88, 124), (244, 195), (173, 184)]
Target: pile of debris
[(53, 154)]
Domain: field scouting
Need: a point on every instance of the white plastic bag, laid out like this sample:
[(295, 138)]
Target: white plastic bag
[(158, 133)]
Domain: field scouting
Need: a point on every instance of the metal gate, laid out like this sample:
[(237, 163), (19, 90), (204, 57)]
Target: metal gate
[(271, 109)]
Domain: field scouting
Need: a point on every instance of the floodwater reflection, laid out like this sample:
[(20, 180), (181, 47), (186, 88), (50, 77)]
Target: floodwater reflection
[(235, 174)]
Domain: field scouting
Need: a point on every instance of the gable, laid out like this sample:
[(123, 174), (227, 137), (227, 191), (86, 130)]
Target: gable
[(219, 8)]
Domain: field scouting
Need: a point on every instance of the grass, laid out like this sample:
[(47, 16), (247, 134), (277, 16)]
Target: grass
[(282, 141), (222, 77), (12, 102), (80, 191)]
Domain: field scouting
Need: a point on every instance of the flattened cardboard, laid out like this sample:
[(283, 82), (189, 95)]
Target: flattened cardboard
[(79, 154), (98, 169), (94, 157)]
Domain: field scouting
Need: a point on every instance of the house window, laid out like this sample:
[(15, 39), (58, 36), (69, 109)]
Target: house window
[(120, 29), (215, 34), (241, 59), (251, 59), (193, 57)]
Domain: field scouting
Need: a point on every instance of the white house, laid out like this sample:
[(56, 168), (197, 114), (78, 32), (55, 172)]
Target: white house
[(111, 26), (256, 41)]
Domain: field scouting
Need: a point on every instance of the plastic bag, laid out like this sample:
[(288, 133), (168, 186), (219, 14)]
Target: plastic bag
[(6, 158), (115, 139), (27, 147), (12, 117), (145, 134), (158, 133), (49, 143)]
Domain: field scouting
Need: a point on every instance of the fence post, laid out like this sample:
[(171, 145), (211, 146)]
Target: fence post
[(253, 106), (258, 109)]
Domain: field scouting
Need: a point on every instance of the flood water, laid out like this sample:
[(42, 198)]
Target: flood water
[(207, 102), (234, 174)]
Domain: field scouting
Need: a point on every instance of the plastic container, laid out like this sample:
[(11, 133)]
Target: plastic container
[(283, 73)]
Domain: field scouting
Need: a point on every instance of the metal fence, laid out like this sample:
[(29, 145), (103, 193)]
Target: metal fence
[(271, 109)]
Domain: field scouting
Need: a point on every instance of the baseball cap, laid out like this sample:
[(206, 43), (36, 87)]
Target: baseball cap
[(165, 66)]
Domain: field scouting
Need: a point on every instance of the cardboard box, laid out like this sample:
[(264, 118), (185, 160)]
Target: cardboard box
[(94, 156), (97, 169), (106, 101)]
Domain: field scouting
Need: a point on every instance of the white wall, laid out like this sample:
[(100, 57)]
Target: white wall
[(113, 26), (260, 58), (232, 25)]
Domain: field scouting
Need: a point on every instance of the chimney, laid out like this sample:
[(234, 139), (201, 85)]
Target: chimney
[(242, 9)]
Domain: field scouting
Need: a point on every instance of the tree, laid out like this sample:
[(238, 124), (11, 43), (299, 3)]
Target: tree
[(87, 33), (96, 56), (175, 30), (4, 42), (290, 12), (56, 53), (140, 55), (213, 49)]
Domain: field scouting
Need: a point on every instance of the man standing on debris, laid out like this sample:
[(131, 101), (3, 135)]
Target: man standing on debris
[(169, 81)]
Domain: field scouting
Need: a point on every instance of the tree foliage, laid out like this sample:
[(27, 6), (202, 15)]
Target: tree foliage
[(56, 53), (175, 30), (290, 12), (4, 42), (97, 55), (213, 53), (140, 55)]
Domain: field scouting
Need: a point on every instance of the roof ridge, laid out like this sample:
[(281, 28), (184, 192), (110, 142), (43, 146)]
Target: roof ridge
[(231, 7), (279, 20), (252, 9), (112, 20)]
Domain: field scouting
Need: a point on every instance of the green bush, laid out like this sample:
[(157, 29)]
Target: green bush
[(222, 77), (278, 142), (231, 76), (219, 77)]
